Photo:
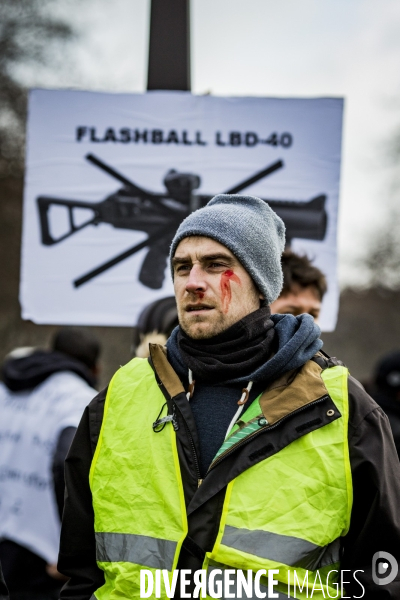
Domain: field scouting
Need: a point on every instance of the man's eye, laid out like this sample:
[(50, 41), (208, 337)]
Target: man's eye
[(182, 268), (216, 265)]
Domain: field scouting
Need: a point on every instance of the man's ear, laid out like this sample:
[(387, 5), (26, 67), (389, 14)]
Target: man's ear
[(261, 296)]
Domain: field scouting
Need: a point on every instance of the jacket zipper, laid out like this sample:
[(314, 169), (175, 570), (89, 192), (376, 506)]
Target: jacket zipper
[(196, 462), (262, 430)]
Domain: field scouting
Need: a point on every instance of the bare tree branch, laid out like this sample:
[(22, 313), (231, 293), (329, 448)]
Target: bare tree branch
[(382, 259), (28, 36)]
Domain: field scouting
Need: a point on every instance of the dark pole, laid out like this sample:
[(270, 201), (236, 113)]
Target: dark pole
[(169, 48)]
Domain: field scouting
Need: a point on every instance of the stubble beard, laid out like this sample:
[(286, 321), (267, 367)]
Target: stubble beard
[(223, 321), (194, 330)]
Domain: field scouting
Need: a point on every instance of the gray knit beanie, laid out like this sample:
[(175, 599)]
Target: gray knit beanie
[(250, 229)]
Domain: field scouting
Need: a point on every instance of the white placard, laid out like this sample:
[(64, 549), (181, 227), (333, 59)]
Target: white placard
[(294, 145)]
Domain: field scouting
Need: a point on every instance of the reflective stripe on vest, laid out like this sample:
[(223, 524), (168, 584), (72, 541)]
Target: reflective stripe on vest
[(285, 549), (131, 548), (287, 512), (138, 501)]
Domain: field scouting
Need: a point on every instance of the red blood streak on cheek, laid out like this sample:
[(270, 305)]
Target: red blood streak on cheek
[(226, 291)]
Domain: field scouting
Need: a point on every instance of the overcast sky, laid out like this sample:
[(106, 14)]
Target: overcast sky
[(347, 48)]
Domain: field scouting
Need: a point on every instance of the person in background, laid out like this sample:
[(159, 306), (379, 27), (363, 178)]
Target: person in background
[(42, 397), (385, 390), (304, 287), (154, 325)]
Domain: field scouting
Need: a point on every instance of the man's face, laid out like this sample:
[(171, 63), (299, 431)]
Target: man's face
[(298, 301), (213, 290)]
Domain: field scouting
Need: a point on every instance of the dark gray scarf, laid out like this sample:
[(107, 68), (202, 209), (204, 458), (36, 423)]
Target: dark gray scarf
[(267, 345), (238, 350)]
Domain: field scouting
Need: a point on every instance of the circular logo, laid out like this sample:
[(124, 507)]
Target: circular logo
[(384, 568)]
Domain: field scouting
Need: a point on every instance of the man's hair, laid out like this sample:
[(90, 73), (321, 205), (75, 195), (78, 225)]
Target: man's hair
[(300, 270), (78, 343)]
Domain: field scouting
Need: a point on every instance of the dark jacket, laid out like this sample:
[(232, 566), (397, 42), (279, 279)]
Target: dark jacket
[(27, 372), (391, 406), (375, 522)]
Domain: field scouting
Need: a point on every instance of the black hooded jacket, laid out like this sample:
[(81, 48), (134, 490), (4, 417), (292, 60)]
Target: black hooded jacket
[(27, 372)]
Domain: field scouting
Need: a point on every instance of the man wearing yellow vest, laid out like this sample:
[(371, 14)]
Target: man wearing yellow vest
[(240, 454)]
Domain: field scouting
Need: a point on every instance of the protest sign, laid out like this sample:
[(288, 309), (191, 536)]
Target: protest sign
[(109, 177)]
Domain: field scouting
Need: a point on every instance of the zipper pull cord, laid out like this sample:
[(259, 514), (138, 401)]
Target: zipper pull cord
[(190, 392), (241, 402)]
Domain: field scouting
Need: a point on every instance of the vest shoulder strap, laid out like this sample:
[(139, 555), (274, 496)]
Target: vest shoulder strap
[(164, 372), (289, 393)]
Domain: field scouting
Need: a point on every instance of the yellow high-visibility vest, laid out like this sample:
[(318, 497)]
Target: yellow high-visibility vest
[(286, 512)]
